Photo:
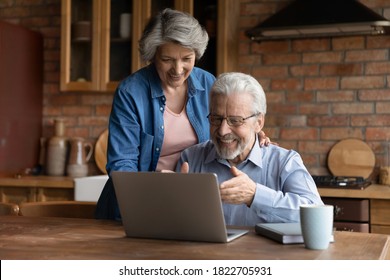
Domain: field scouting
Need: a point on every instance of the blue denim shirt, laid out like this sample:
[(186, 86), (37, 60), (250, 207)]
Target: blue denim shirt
[(136, 125)]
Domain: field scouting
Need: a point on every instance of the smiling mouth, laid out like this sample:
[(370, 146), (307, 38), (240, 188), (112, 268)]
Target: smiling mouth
[(227, 142), (175, 77)]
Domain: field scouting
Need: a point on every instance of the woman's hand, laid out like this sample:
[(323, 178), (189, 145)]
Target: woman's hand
[(264, 140)]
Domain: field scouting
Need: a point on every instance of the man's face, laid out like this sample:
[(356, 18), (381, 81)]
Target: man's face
[(174, 64), (234, 143)]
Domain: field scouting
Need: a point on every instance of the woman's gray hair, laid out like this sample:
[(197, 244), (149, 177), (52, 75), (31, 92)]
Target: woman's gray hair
[(235, 82), (176, 27)]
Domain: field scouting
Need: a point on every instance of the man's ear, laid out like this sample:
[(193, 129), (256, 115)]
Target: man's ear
[(260, 123)]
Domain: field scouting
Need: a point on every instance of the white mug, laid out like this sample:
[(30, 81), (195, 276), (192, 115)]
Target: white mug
[(125, 25), (316, 225)]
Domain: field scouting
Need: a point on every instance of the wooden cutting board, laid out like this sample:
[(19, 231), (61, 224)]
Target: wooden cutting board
[(351, 158), (101, 151)]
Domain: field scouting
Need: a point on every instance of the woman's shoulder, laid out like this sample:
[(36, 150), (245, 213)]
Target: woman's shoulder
[(141, 80), (199, 72)]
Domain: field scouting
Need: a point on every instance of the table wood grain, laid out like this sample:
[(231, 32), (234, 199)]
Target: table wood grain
[(77, 239)]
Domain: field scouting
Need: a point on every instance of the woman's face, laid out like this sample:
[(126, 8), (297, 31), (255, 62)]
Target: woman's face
[(174, 64)]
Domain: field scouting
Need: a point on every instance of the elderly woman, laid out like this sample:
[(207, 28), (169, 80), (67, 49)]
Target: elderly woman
[(161, 109)]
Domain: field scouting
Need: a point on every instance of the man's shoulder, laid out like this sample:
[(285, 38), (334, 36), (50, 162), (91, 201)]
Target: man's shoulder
[(275, 151)]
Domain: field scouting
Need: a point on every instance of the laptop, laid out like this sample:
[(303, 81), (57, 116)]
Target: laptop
[(173, 206)]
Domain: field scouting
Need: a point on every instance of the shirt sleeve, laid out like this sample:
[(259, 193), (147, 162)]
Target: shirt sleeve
[(280, 200)]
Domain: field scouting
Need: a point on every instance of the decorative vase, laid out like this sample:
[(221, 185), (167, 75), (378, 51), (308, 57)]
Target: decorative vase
[(57, 148)]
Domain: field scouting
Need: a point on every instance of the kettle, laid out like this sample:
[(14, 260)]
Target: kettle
[(80, 153)]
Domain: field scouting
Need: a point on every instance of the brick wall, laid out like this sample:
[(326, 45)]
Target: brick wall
[(319, 90), (86, 114)]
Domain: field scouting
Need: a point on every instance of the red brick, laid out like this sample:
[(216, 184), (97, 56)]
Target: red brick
[(314, 109), (310, 45), (281, 59), (335, 96), (352, 108), (371, 120), (103, 110), (300, 96), (348, 43), (304, 70), (366, 55), (340, 133), (329, 121), (376, 68), (341, 69), (383, 108), (77, 110), (93, 121), (320, 57), (299, 133), (250, 60), (362, 82), (315, 147), (270, 71), (275, 97), (377, 133), (271, 47), (281, 109), (286, 84), (374, 94), (374, 42), (328, 83), (62, 100)]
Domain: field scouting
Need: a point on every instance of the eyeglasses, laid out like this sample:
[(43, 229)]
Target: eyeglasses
[(231, 121)]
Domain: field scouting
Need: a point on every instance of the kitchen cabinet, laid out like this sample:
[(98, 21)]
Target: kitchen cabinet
[(21, 105), (35, 188), (376, 197), (95, 57)]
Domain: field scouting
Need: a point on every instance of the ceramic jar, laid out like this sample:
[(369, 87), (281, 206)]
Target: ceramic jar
[(79, 154), (56, 152)]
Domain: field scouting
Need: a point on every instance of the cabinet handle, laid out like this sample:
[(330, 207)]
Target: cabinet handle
[(338, 211)]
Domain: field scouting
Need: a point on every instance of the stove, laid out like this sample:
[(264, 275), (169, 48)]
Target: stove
[(340, 182)]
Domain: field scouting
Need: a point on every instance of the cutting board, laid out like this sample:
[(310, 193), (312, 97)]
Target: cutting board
[(351, 158), (101, 151)]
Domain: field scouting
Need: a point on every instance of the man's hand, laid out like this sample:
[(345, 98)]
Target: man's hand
[(238, 190), (185, 168)]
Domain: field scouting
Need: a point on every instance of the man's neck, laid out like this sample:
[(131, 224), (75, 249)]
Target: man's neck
[(243, 156)]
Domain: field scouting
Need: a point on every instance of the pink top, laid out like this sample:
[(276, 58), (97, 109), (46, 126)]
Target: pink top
[(178, 135)]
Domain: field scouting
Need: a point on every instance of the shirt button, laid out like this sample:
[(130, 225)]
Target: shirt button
[(162, 127), (157, 149), (161, 109)]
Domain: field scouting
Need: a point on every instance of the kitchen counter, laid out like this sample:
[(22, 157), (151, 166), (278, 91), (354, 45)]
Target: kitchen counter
[(377, 198), (18, 189), (373, 191)]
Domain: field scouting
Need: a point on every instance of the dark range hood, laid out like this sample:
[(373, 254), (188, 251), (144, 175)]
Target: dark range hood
[(320, 18)]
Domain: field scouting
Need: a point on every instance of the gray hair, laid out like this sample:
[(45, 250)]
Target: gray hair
[(235, 82), (176, 27)]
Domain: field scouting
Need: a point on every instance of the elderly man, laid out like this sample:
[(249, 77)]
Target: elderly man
[(257, 184)]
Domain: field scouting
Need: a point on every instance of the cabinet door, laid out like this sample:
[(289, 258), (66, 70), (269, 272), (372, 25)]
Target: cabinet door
[(80, 39), (117, 20), (220, 18)]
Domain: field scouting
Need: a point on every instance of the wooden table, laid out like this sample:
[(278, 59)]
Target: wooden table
[(77, 239)]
